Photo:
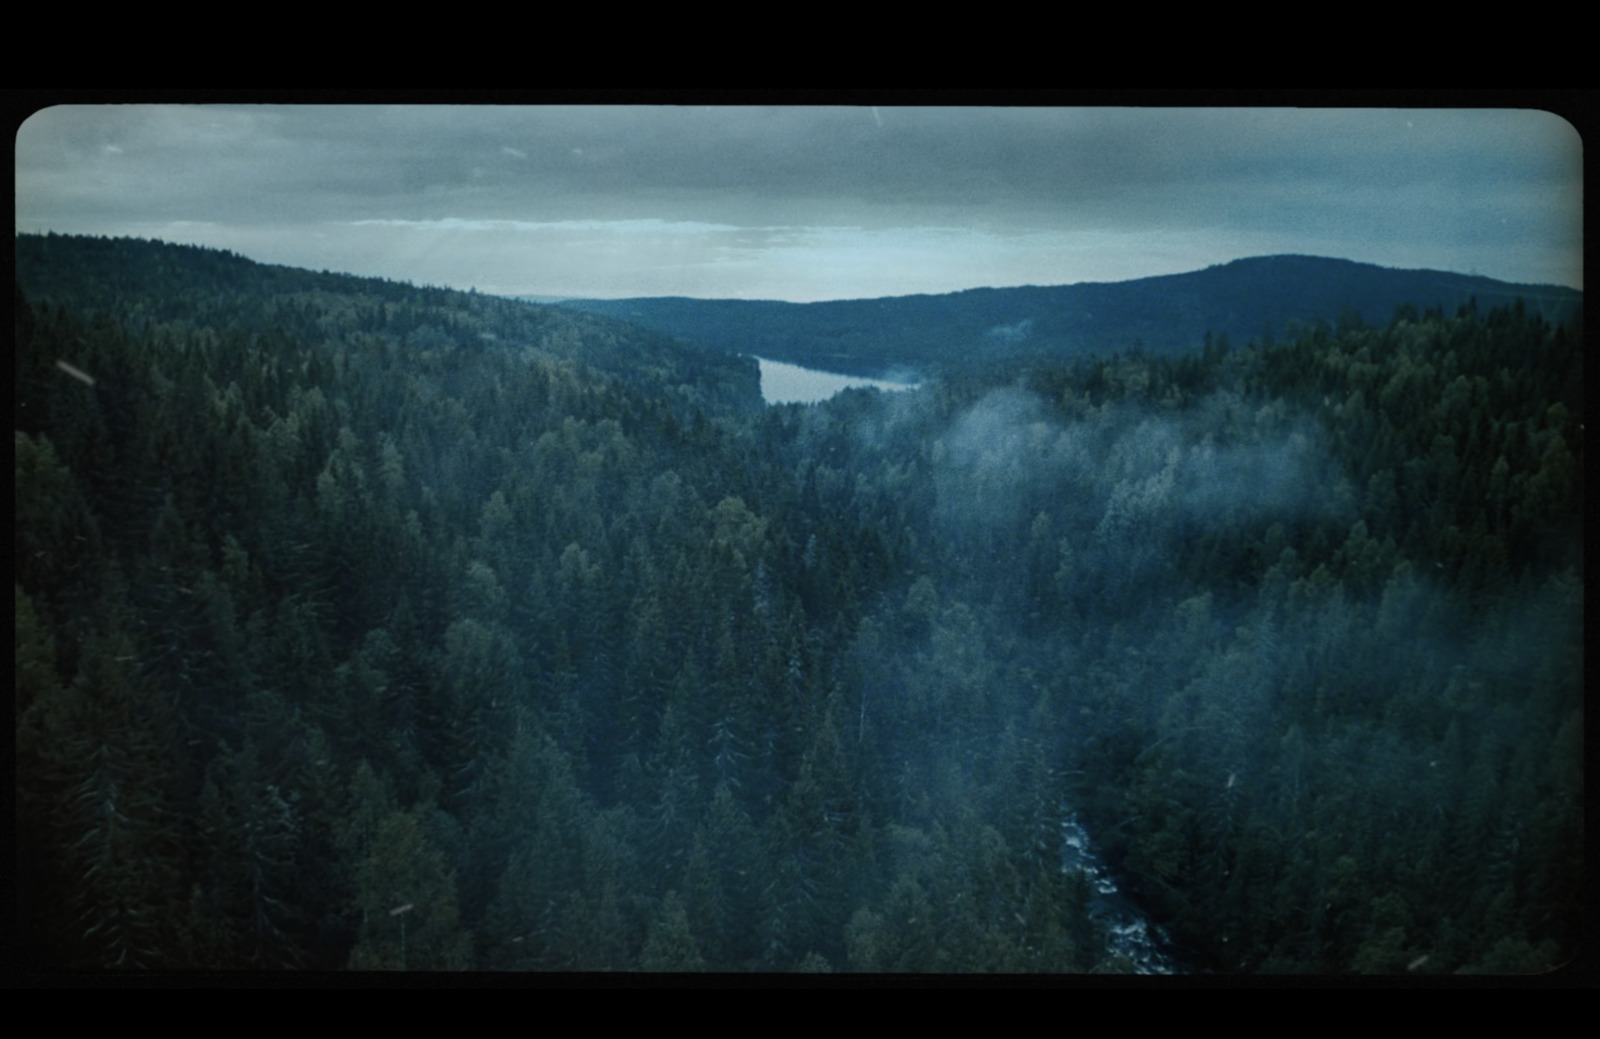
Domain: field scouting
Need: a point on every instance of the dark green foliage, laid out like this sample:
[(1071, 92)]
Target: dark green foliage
[(670, 946), (337, 596), (405, 893), (97, 791), (252, 833)]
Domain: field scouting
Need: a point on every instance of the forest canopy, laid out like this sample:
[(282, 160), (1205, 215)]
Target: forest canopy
[(362, 625)]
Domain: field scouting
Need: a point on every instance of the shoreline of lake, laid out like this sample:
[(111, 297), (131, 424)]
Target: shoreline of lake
[(783, 383)]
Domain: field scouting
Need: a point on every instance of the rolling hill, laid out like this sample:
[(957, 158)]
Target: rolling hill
[(1168, 315)]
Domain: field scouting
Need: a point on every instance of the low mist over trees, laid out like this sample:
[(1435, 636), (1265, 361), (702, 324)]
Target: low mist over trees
[(370, 626)]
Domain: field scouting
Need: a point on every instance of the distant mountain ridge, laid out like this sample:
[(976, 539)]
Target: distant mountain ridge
[(1246, 299)]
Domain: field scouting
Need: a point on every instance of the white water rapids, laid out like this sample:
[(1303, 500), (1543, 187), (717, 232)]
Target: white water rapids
[(1128, 934)]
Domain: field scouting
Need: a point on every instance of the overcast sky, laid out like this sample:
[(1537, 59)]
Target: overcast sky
[(808, 203)]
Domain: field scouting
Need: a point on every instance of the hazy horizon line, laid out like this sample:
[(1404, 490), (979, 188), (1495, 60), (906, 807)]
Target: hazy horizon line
[(554, 299)]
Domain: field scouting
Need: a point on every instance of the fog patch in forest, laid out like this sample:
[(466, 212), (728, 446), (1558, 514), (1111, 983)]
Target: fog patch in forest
[(1165, 471), (1130, 473), (1012, 333)]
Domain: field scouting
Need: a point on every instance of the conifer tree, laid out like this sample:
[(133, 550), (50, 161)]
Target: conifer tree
[(406, 895)]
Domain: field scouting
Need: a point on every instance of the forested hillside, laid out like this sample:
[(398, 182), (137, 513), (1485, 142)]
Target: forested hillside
[(362, 625), (1262, 298)]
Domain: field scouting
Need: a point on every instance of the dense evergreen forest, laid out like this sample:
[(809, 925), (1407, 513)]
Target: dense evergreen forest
[(371, 626), (1167, 316)]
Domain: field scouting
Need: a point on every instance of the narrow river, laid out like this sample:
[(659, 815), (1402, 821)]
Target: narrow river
[(1128, 933)]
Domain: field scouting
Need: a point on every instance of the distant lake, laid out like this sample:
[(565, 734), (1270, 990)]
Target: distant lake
[(791, 384)]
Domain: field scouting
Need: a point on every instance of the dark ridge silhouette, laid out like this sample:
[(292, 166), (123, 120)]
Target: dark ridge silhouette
[(1247, 299)]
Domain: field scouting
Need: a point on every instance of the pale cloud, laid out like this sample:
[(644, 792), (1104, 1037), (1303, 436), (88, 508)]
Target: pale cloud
[(810, 202)]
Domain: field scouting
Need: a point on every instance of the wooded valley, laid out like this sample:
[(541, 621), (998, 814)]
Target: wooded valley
[(363, 625)]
